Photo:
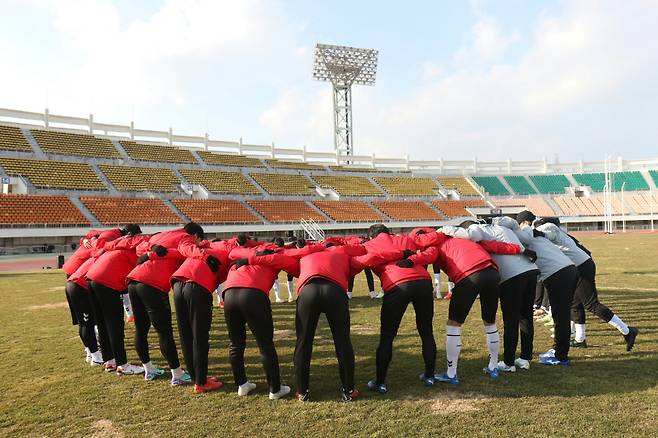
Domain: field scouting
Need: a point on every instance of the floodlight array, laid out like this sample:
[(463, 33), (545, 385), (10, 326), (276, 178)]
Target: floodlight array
[(344, 66)]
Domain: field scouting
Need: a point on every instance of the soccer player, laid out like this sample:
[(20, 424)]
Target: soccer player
[(106, 281), (148, 286), (518, 279), (585, 294)]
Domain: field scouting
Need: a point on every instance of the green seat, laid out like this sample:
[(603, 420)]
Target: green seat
[(550, 184), (520, 185), (491, 185)]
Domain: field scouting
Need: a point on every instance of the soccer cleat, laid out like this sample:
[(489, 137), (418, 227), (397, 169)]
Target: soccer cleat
[(630, 337), (291, 299), (278, 300), (128, 370), (576, 344), (282, 392), (152, 375), (502, 366), (303, 396), (221, 305), (130, 319), (211, 385), (246, 388), (184, 379), (379, 388), (492, 373), (110, 366), (445, 379), (349, 396), (87, 356), (427, 381), (538, 313), (380, 295), (552, 361), (522, 363), (549, 353), (448, 296)]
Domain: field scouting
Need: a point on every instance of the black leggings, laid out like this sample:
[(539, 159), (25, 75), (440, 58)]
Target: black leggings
[(541, 297), (108, 311), (421, 294), (82, 313), (193, 305), (516, 299), (483, 283), (560, 287), (587, 297), (369, 279), (316, 297), (245, 306), (151, 306)]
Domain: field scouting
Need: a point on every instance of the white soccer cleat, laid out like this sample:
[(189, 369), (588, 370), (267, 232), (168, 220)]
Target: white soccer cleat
[(278, 300), (522, 363), (246, 388), (129, 369), (502, 366), (283, 391)]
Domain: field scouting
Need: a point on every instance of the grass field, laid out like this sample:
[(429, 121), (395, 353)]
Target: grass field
[(47, 390)]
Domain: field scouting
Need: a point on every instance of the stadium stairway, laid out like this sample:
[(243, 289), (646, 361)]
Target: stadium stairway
[(175, 209), (376, 184), (121, 151), (551, 203), (198, 159), (507, 186), (85, 211), (262, 191), (647, 177), (318, 211), (532, 184), (113, 191), (255, 212), (38, 152)]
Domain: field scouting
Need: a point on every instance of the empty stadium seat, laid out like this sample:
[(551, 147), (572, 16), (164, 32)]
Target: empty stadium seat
[(550, 184), (596, 181), (491, 185), (120, 211), (583, 206), (229, 159), (520, 185), (131, 178), (66, 143), (452, 209), (220, 182), (284, 184), (286, 211), (537, 205), (642, 202), (349, 211), (408, 186), (12, 139), (459, 183), (278, 164), (215, 211), (348, 185), (152, 152), (407, 210), (29, 210), (633, 180), (352, 169), (54, 174)]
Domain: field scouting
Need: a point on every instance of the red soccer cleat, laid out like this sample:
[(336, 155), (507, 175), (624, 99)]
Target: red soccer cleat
[(447, 296), (211, 385), (131, 318)]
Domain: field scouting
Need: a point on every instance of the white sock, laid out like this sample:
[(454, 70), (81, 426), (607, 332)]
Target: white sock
[(96, 356), (149, 367), (437, 284), (177, 373), (493, 344), (277, 292), (349, 295), (127, 307), (453, 347), (373, 294), (620, 325), (451, 286), (219, 294), (580, 332), (291, 287), (573, 329)]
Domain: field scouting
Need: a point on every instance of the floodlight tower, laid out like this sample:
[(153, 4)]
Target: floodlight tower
[(344, 66)]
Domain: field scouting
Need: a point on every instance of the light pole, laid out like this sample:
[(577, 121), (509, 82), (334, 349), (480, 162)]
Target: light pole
[(623, 209)]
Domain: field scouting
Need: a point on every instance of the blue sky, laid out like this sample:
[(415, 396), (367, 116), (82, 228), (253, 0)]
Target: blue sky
[(456, 79)]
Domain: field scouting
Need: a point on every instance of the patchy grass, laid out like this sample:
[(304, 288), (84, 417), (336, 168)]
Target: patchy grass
[(47, 389)]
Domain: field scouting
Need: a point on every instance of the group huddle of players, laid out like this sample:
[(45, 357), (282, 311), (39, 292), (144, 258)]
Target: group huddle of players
[(500, 259)]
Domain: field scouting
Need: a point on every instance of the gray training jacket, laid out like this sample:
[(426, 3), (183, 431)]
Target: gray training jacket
[(566, 244), (508, 265), (550, 258)]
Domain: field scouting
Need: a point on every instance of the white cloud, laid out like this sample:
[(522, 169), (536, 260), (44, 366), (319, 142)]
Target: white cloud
[(488, 41)]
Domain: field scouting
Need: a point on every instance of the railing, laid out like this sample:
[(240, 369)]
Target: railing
[(87, 125), (312, 229)]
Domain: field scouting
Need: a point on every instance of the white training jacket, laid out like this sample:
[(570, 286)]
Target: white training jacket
[(508, 265), (550, 258), (566, 244)]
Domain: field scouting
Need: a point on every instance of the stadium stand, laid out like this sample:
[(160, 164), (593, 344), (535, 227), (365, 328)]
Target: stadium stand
[(596, 181), (642, 203), (26, 210), (12, 139), (351, 169), (537, 205), (453, 209), (215, 211), (654, 176), (550, 184), (582, 206), (407, 210), (284, 184), (408, 186), (348, 185), (520, 185), (349, 211), (152, 152), (135, 179), (220, 182), (286, 211), (65, 143), (459, 183), (278, 164), (120, 211), (491, 185), (229, 160), (53, 174), (634, 181)]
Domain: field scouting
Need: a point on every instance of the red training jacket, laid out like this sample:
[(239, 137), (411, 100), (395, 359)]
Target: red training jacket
[(119, 258)]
